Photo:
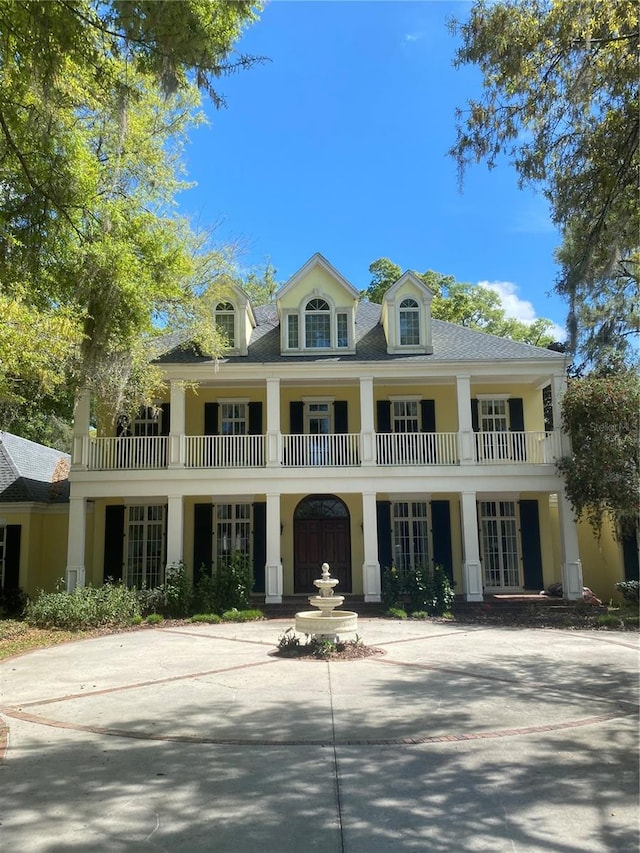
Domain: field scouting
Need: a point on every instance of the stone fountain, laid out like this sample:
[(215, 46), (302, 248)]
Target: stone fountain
[(327, 621)]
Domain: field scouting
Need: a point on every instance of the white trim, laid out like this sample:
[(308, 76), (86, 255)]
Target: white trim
[(318, 399), (405, 398), (492, 396)]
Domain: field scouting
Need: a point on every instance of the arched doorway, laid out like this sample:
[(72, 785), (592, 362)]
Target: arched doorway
[(321, 534)]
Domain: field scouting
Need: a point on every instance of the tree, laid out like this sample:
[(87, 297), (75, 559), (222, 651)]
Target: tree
[(602, 416), (473, 306), (96, 99), (560, 99)]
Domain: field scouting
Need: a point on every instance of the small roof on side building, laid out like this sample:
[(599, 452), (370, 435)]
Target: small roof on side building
[(31, 472)]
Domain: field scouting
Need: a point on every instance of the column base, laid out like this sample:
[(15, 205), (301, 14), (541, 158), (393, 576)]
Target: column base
[(371, 581), (74, 577), (273, 577), (472, 575), (572, 582)]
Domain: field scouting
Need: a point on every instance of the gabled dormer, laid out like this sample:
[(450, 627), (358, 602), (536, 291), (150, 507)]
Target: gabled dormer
[(317, 310), (234, 317), (406, 316)]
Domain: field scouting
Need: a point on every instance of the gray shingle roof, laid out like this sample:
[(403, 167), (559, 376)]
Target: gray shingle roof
[(31, 471), (451, 343)]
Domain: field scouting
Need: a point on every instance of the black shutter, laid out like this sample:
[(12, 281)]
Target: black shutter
[(340, 417), (630, 556), (428, 415), (441, 533), (255, 418), (12, 556), (384, 415), (516, 415), (113, 543), (296, 417), (165, 418), (516, 424), (530, 542), (259, 545), (202, 539), (383, 513), (475, 417), (211, 419)]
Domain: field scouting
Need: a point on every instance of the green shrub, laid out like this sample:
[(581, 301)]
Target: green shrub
[(204, 593), (420, 614), (211, 618), (392, 593), (232, 583), (234, 615), (608, 620), (177, 590), (86, 607), (13, 602), (150, 600), (396, 613), (630, 590), (289, 643), (154, 619), (631, 621)]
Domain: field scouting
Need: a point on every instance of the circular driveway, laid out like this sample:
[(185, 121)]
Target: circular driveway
[(457, 738)]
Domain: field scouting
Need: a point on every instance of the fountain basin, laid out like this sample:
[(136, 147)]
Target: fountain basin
[(327, 624)]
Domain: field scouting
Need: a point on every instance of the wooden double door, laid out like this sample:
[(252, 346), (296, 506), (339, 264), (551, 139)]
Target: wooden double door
[(321, 534)]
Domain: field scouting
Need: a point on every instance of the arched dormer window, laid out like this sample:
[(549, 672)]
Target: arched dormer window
[(226, 322), (317, 324), (409, 317)]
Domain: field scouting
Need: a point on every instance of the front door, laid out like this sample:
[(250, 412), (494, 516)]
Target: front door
[(321, 534)]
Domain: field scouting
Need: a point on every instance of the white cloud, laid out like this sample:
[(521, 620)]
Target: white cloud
[(519, 309), (413, 36)]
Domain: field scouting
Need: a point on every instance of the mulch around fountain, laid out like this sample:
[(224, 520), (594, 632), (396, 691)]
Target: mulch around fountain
[(342, 651)]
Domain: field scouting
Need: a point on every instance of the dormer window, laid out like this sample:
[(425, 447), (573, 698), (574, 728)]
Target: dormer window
[(226, 322), (317, 324), (409, 318)]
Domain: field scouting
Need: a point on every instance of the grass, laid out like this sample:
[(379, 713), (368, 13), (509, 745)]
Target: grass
[(17, 637)]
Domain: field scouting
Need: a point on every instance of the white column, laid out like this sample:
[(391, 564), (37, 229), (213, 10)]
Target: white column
[(367, 432), (471, 566), (371, 584), (273, 567), (572, 581), (273, 422), (81, 416), (75, 573), (465, 428), (175, 530), (558, 388), (177, 425)]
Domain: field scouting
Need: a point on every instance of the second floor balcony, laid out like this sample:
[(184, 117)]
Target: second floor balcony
[(346, 450)]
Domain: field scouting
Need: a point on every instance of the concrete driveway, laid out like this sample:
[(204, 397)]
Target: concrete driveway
[(196, 738)]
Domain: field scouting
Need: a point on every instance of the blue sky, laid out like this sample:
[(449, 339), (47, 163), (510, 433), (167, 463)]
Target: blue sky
[(338, 144)]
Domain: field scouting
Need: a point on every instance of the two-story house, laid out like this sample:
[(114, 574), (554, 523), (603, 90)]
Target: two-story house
[(340, 431)]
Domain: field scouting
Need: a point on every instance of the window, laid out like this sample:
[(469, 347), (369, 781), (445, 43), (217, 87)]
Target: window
[(404, 416), (3, 548), (547, 408), (233, 419), (232, 531), (499, 544), (342, 326), (226, 322), (410, 535), (493, 424), (145, 556), (293, 337), (147, 422), (317, 324), (493, 415), (409, 316)]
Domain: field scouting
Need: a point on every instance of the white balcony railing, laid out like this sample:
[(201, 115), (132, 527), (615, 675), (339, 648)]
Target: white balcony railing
[(508, 447), (328, 451), (417, 448), (225, 451), (132, 452)]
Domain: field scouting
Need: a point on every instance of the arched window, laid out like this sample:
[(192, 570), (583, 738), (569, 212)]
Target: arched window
[(317, 324), (409, 316), (226, 322)]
